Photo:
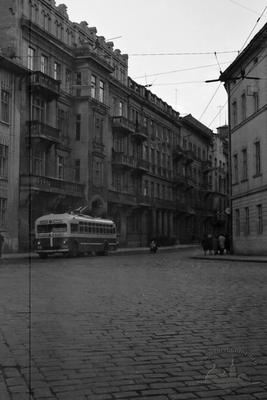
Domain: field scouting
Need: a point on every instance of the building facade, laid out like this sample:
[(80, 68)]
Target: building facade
[(245, 82), (92, 138), (11, 75)]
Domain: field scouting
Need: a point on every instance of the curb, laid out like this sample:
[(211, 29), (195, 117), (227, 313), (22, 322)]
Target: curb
[(120, 251), (249, 259)]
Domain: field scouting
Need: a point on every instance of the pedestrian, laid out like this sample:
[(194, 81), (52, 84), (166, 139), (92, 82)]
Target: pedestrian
[(1, 243), (221, 241), (227, 244), (210, 243), (215, 245), (153, 246), (204, 244)]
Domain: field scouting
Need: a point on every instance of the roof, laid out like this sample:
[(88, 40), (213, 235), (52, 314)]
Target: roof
[(72, 217), (258, 42), (189, 120)]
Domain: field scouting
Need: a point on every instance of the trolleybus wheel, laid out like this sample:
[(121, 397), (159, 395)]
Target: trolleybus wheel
[(106, 249), (74, 250)]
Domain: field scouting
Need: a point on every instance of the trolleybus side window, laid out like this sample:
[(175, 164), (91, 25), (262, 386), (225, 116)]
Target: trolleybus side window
[(73, 228), (52, 228)]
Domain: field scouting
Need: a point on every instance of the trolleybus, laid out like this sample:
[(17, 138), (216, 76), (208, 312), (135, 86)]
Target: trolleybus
[(74, 234)]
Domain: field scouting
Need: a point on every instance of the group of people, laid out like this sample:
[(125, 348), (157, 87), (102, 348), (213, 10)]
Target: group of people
[(217, 244)]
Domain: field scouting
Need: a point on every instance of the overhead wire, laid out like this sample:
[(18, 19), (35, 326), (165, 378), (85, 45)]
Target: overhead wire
[(183, 53), (236, 88), (248, 72), (179, 70), (242, 6), (252, 30)]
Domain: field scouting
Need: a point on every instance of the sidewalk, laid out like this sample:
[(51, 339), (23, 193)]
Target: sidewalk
[(229, 257), (122, 250)]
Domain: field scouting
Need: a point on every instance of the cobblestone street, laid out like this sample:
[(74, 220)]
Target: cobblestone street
[(138, 326)]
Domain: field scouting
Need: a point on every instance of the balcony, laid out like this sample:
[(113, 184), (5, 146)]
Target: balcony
[(122, 160), (98, 147), (142, 166), (52, 185), (42, 132), (123, 125), (122, 198), (189, 156), (206, 165), (144, 201), (44, 85), (178, 152), (207, 188), (163, 203), (140, 133), (86, 52), (179, 179)]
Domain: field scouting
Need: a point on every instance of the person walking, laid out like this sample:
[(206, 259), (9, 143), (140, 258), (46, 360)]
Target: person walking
[(215, 245), (227, 244), (210, 243), (1, 243), (204, 244), (221, 241)]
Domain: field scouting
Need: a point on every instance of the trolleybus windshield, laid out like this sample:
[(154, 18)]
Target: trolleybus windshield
[(51, 228)]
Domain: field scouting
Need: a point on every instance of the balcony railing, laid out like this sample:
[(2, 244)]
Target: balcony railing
[(123, 160), (123, 125), (44, 84), (39, 130), (142, 165), (53, 185), (179, 179), (178, 152), (189, 156), (206, 165), (86, 52), (140, 132)]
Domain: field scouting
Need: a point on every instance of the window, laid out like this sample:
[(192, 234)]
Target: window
[(256, 101), (98, 172), (3, 204), (3, 161), (237, 222), (99, 130), (152, 190), (101, 91), (78, 127), (234, 108), (146, 190), (44, 64), (235, 168), (60, 167), (30, 58), (5, 102), (244, 164), (93, 86), (63, 122), (259, 219), (77, 171), (68, 80), (247, 223), (78, 78), (57, 71), (38, 109), (244, 106), (37, 166), (120, 108), (257, 158)]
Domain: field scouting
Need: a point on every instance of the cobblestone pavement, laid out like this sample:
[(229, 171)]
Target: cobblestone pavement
[(161, 327)]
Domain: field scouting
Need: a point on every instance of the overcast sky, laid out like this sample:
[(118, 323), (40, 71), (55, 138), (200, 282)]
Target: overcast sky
[(177, 26)]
